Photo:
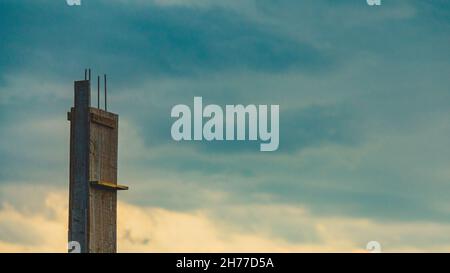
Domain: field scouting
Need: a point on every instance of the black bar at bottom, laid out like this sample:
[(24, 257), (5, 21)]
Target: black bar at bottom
[(228, 262)]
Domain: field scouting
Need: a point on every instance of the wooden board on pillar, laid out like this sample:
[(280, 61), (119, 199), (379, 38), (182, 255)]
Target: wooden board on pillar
[(103, 167)]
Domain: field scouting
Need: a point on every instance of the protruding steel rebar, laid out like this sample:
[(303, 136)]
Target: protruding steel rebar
[(106, 91), (98, 92)]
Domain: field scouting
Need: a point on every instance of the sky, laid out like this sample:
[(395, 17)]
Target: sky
[(364, 122)]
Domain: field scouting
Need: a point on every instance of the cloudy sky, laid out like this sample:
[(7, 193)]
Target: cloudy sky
[(364, 122)]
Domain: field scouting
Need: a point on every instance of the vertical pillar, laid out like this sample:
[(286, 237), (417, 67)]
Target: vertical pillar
[(93, 174), (79, 166)]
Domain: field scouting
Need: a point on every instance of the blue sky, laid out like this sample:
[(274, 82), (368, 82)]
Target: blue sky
[(364, 122)]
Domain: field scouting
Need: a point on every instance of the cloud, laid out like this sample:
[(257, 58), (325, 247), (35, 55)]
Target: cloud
[(172, 41), (238, 228), (42, 231)]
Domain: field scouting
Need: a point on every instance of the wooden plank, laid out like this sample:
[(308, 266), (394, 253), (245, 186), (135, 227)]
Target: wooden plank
[(103, 120), (108, 185)]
